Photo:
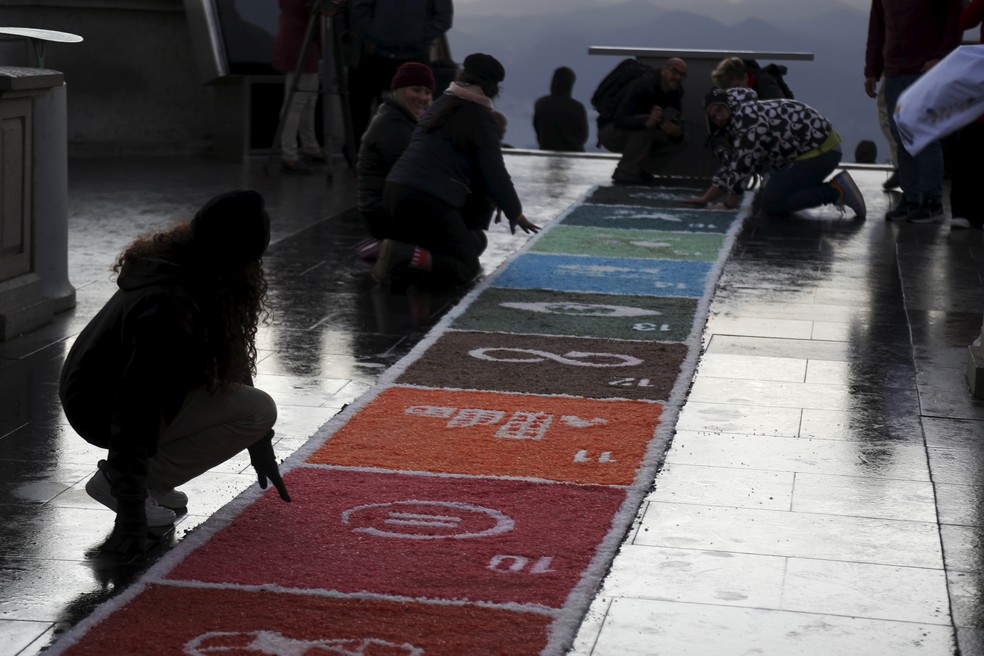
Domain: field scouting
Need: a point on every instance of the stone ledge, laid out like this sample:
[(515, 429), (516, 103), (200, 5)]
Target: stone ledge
[(17, 78)]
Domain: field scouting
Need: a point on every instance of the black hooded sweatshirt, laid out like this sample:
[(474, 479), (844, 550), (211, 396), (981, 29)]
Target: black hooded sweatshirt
[(560, 121), (129, 370)]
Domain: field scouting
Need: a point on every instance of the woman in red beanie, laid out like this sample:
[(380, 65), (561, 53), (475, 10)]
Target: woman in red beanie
[(411, 92), (162, 375)]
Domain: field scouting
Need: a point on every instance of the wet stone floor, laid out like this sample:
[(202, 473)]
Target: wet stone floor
[(822, 491), (820, 496)]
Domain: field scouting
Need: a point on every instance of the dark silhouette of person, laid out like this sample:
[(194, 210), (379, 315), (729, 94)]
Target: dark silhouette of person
[(906, 39), (560, 121), (968, 144), (392, 33), (161, 377), (866, 152)]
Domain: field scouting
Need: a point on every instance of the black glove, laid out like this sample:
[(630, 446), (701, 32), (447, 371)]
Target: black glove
[(264, 461), (130, 536)]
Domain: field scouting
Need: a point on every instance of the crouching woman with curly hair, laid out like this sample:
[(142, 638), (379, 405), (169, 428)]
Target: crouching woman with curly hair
[(161, 377)]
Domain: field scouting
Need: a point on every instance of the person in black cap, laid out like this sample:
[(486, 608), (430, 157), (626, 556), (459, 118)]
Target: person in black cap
[(442, 191), (161, 377)]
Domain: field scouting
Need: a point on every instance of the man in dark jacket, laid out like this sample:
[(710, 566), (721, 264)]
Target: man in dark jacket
[(646, 126), (560, 121), (393, 32), (906, 39), (162, 375)]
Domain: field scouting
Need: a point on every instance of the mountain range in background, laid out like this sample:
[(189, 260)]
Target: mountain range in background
[(531, 46)]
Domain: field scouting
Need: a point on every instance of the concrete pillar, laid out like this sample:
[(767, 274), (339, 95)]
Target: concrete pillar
[(33, 200), (51, 197)]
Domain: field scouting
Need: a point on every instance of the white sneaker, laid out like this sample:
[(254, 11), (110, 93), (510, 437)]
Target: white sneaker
[(173, 499), (959, 223), (99, 488)]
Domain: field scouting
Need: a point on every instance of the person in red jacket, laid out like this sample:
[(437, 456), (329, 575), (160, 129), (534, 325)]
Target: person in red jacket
[(161, 377), (298, 118)]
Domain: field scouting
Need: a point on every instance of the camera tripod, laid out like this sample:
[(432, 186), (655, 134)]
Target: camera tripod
[(331, 60)]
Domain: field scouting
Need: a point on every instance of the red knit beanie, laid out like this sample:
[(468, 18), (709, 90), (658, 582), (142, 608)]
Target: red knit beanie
[(413, 74)]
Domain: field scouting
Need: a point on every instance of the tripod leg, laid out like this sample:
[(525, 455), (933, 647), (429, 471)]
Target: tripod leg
[(327, 31), (289, 96), (342, 81)]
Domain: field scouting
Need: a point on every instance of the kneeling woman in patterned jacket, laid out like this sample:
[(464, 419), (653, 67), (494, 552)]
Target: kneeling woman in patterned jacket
[(787, 141)]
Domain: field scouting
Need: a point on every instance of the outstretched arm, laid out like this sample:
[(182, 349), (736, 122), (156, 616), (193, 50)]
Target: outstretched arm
[(264, 462), (524, 223)]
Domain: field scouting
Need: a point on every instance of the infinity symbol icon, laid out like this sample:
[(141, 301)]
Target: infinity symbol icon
[(574, 358)]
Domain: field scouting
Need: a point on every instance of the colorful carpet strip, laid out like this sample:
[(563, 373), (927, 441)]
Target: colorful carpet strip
[(472, 501)]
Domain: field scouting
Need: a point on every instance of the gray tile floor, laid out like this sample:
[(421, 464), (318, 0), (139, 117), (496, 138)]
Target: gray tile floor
[(821, 492), (820, 496)]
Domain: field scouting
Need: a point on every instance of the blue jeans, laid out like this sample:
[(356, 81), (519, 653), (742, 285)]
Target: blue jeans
[(920, 176), (800, 185)]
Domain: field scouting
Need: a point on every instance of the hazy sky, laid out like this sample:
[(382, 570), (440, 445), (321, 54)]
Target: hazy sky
[(550, 6), (530, 49)]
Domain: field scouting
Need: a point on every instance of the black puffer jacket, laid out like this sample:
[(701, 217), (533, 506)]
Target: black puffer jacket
[(384, 141), (129, 370), (766, 135), (560, 121), (463, 155)]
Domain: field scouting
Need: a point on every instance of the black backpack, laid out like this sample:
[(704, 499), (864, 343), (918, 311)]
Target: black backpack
[(607, 96), (779, 72), (774, 73)]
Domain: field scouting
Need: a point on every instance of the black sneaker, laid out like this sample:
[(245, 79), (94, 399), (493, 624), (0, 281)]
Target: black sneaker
[(892, 182), (297, 167), (901, 211), (929, 211), (394, 257)]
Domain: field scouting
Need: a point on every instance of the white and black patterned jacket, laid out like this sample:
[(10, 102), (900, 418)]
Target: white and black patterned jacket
[(765, 135)]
